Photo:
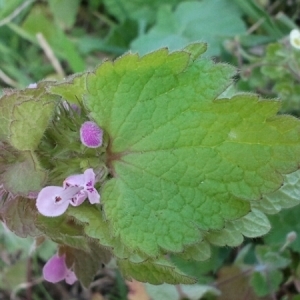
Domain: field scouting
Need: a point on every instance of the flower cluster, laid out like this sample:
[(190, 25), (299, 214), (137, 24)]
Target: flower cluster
[(56, 270), (53, 201)]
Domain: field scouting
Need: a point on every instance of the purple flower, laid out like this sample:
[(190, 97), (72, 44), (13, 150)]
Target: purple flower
[(56, 270), (91, 134), (86, 181), (53, 201)]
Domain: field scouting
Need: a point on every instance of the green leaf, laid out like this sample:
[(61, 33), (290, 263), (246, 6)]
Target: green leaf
[(167, 291), (24, 116), (266, 283), (136, 9), (157, 139), (25, 176), (254, 224), (87, 263), (19, 215), (176, 157), (185, 163), (198, 252), (29, 122), (8, 7), (282, 224), (228, 236), (64, 12), (71, 89), (54, 35), (202, 270), (15, 275), (212, 21), (275, 62), (154, 272), (196, 50), (272, 260), (95, 226), (69, 233), (121, 35), (287, 196), (253, 10), (234, 284)]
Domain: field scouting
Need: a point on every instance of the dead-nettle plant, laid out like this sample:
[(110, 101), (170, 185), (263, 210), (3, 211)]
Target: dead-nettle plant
[(179, 166)]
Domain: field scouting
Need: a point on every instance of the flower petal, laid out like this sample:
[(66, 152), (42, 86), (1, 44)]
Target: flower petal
[(86, 181), (89, 177), (79, 198), (55, 269), (74, 180), (93, 196), (49, 202), (53, 201), (70, 277)]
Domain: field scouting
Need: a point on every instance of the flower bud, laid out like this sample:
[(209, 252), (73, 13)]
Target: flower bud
[(91, 134)]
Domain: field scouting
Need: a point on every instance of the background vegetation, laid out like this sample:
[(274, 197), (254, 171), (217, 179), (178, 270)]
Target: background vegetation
[(54, 38)]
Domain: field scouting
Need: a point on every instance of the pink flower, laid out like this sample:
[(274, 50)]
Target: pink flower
[(91, 134), (53, 201), (56, 270), (86, 181)]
